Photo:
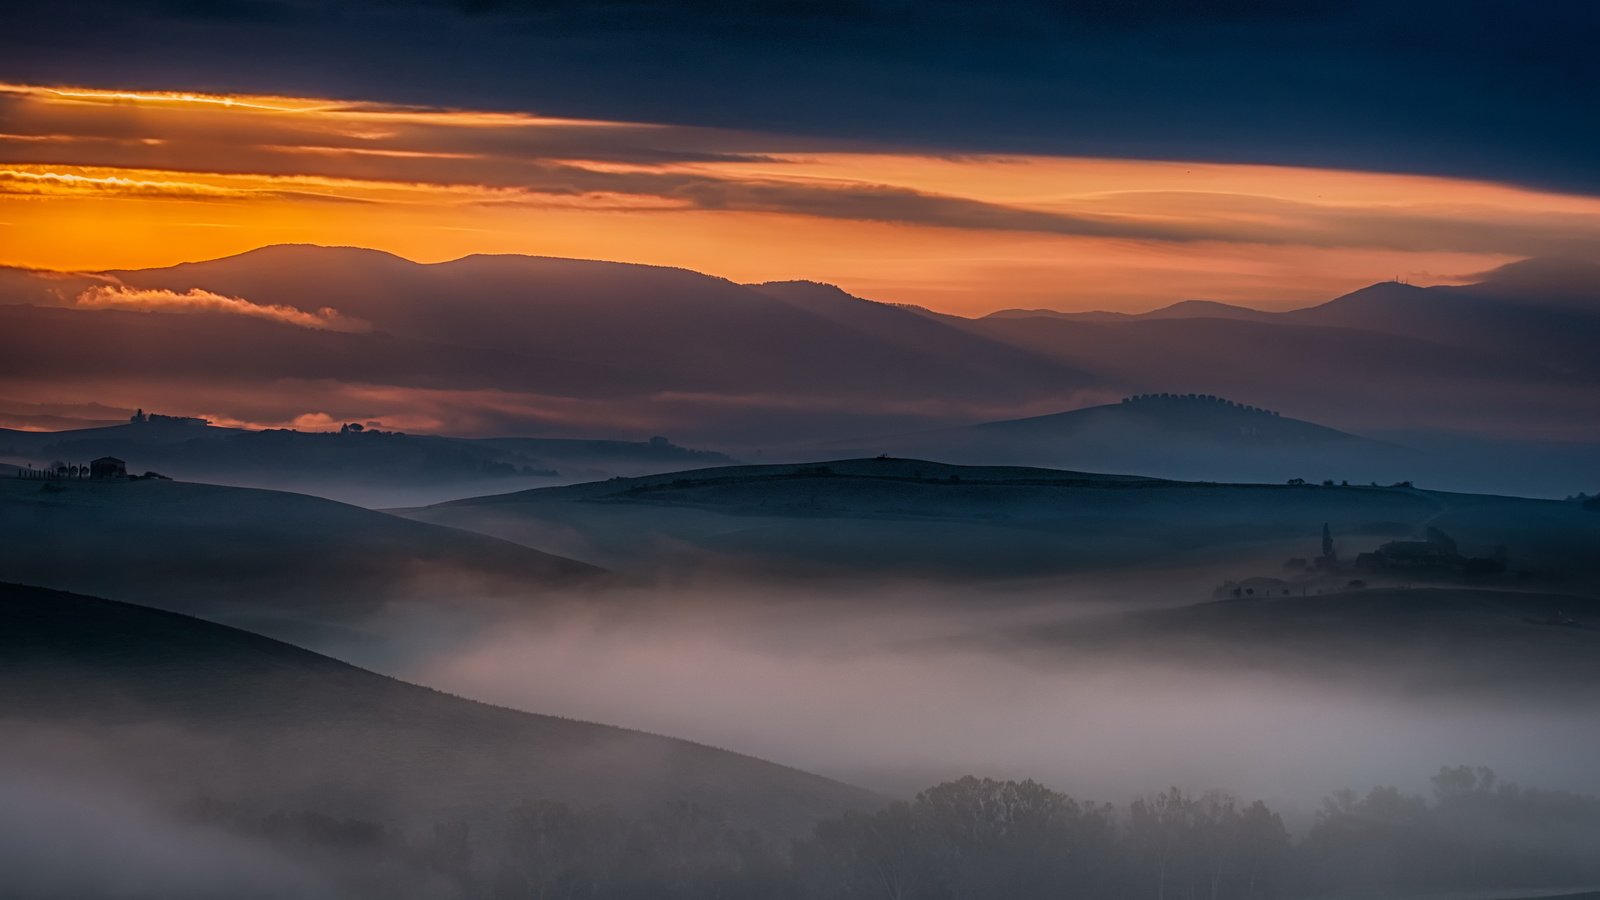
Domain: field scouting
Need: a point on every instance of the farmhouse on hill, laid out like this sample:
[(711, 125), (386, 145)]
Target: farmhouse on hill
[(107, 467)]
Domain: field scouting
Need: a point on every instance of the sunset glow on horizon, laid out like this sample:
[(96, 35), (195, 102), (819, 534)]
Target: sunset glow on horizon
[(94, 178)]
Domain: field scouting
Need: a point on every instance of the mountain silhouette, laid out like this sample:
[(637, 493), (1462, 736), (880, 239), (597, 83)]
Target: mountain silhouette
[(500, 345), (684, 330)]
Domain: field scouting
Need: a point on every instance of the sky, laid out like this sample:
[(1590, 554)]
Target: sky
[(1088, 155)]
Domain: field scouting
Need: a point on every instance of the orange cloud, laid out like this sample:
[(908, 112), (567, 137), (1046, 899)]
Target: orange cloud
[(14, 181), (195, 300)]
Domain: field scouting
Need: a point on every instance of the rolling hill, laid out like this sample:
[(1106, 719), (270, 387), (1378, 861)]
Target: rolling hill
[(180, 708), (915, 518), (282, 563)]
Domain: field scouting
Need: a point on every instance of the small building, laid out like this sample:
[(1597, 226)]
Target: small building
[(107, 467)]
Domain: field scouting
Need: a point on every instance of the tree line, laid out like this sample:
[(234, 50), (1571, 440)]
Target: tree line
[(981, 839)]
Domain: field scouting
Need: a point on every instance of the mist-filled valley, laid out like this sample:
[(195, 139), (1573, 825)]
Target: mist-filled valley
[(1150, 670)]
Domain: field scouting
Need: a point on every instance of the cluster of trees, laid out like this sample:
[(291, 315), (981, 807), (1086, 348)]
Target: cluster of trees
[(982, 839), (143, 418), (1477, 832), (1196, 398), (1328, 482)]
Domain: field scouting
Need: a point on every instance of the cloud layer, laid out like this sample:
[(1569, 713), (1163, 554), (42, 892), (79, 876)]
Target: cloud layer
[(195, 300), (98, 178), (1494, 90)]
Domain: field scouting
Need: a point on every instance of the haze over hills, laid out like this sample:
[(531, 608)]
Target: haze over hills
[(357, 464), (175, 709), (491, 345)]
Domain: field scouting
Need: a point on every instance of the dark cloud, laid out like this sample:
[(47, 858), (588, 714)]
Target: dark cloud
[(1489, 89)]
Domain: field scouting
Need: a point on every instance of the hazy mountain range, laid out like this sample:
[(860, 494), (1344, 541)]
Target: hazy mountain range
[(514, 345)]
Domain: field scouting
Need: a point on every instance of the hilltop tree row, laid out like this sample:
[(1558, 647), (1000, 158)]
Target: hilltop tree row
[(1196, 398)]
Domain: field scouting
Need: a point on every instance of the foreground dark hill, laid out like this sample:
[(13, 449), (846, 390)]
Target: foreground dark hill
[(926, 519), (369, 466), (278, 561), (182, 708), (1185, 436)]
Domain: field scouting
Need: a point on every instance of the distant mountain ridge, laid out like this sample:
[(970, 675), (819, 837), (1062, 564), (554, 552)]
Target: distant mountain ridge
[(495, 344), (1572, 284), (570, 307)]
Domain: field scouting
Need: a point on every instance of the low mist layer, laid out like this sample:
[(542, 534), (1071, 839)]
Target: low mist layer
[(866, 685)]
